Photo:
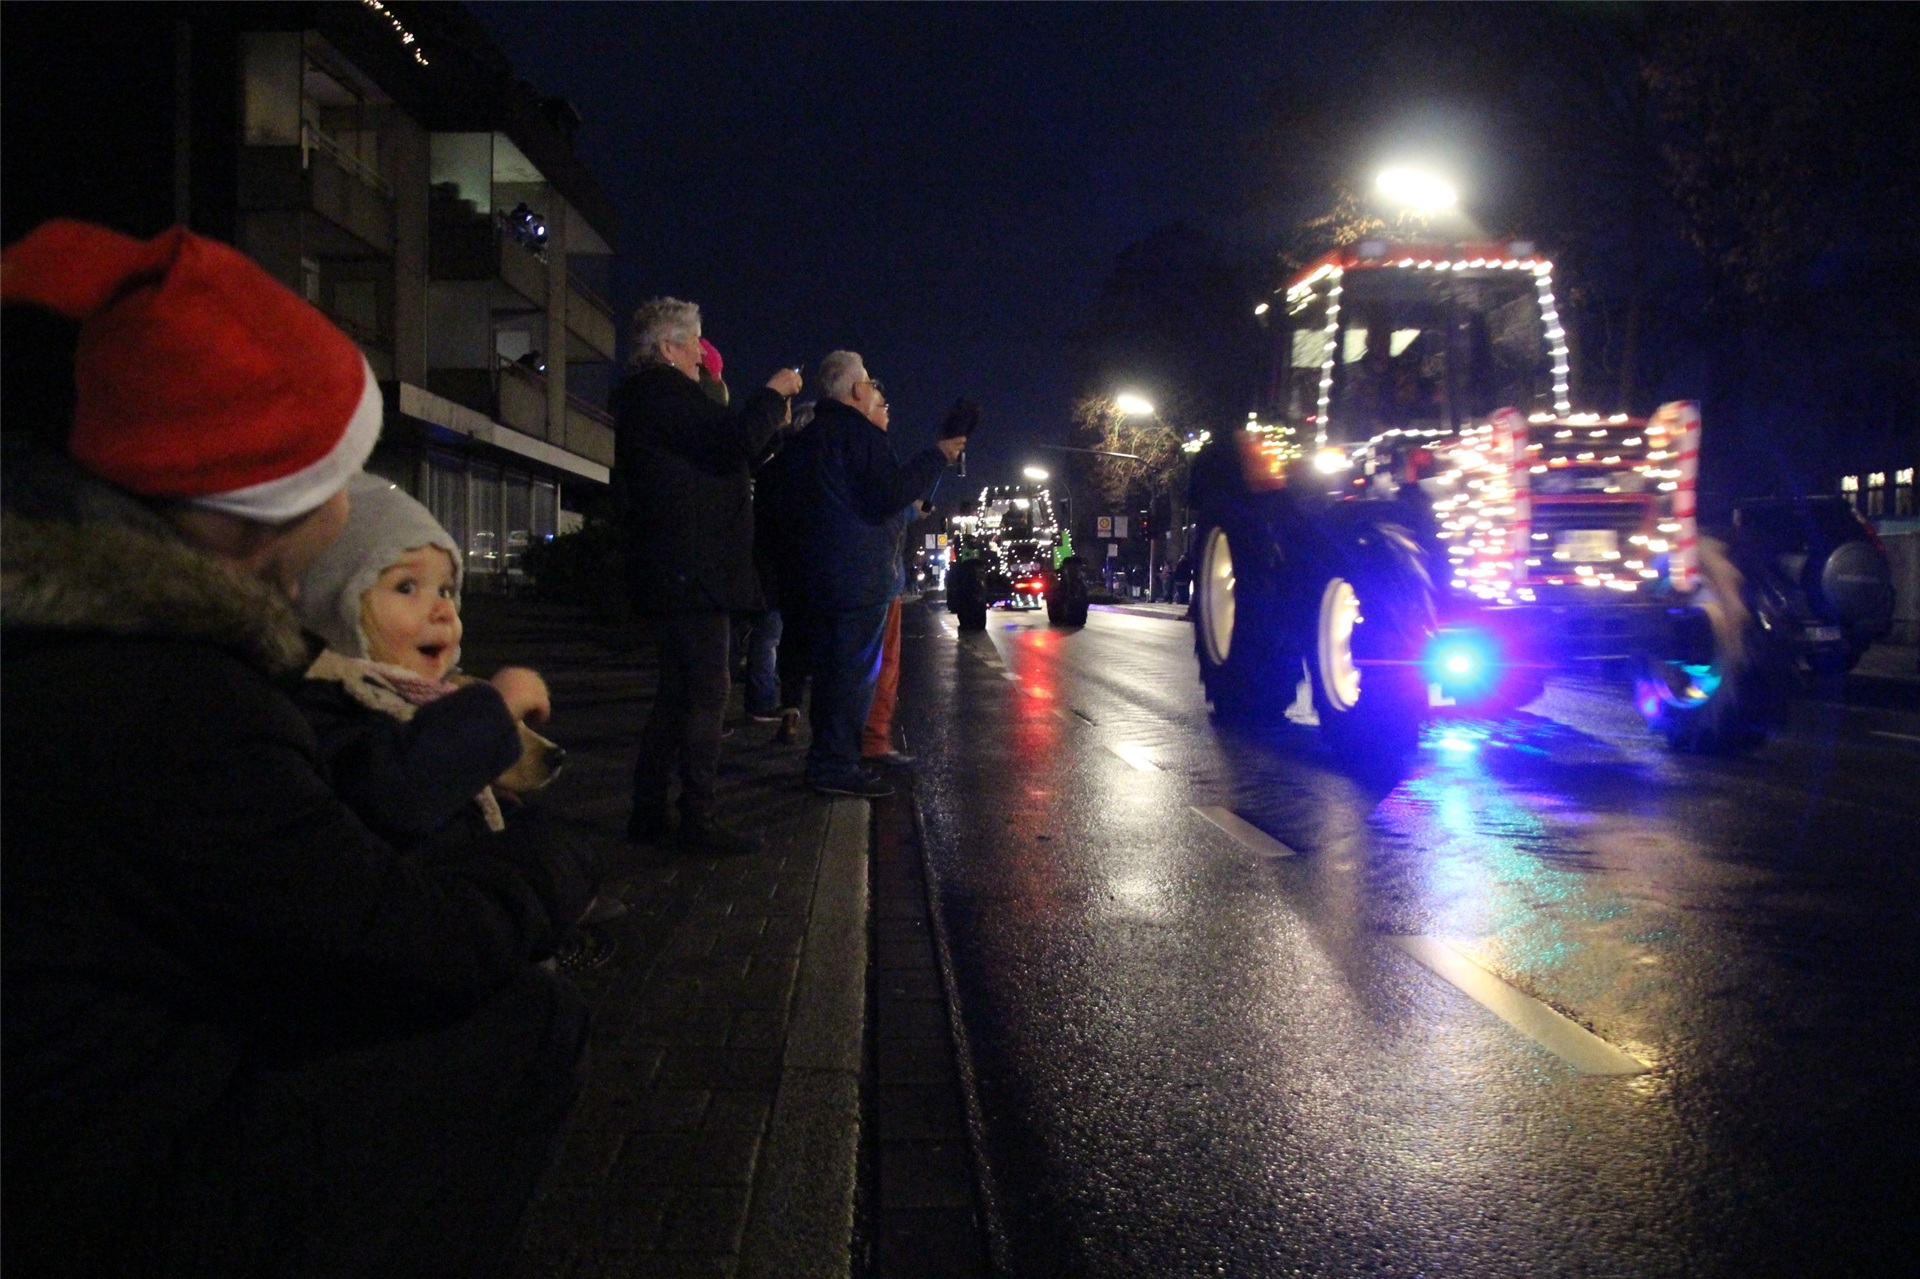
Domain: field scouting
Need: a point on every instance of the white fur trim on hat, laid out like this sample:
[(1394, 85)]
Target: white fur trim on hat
[(292, 496)]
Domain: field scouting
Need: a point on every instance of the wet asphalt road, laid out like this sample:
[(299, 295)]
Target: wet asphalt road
[(1195, 1056)]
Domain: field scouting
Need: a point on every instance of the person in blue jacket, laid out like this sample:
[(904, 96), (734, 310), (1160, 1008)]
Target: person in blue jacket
[(853, 487)]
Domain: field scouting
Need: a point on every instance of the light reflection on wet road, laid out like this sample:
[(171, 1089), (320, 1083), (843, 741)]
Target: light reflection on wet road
[(1193, 1059)]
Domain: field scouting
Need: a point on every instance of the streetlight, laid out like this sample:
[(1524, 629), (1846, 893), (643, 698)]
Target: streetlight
[(1034, 473), (1133, 405)]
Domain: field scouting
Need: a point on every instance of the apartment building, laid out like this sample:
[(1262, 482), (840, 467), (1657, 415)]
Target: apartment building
[(383, 161)]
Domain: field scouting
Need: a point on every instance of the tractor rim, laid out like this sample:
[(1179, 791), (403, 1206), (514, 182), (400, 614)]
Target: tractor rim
[(1339, 614), (1217, 604)]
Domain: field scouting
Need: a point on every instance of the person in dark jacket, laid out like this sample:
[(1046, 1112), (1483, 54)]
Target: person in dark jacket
[(776, 661), (853, 488), (681, 479), (244, 1035)]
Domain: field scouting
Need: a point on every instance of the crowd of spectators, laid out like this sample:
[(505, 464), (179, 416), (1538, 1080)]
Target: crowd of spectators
[(279, 975)]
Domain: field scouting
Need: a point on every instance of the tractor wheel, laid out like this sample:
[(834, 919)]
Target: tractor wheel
[(1733, 680), (1236, 623), (1067, 600), (1368, 686)]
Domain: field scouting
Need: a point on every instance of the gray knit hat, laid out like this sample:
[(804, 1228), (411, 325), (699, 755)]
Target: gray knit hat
[(383, 523)]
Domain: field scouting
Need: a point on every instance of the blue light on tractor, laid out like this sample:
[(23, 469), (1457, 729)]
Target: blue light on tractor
[(1462, 662)]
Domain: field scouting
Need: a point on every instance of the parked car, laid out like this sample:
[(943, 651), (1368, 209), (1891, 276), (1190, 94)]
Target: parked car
[(1830, 569)]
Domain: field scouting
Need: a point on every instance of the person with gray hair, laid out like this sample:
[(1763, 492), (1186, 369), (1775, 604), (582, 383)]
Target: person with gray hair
[(681, 481), (853, 489)]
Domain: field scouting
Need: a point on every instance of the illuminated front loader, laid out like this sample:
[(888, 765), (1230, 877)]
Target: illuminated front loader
[(1398, 539)]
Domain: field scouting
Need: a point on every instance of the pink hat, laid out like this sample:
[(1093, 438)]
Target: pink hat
[(200, 377), (710, 359)]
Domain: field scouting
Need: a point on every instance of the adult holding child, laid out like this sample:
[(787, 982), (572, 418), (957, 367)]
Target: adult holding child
[(244, 1033), (682, 478)]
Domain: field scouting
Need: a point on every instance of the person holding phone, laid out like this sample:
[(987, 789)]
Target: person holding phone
[(681, 480), (852, 488)]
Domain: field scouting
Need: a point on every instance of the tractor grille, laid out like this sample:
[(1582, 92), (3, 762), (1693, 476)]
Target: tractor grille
[(1624, 519)]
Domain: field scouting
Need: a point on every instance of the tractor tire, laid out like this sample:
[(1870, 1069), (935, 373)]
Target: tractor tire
[(1375, 619), (1236, 621), (1734, 686), (1067, 597), (972, 617)]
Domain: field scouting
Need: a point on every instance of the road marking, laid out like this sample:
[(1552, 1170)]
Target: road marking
[(1134, 755), (1566, 1039), (1898, 737), (1010, 675), (1063, 713), (1244, 832), (1084, 717)]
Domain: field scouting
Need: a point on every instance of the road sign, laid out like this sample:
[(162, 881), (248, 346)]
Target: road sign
[(1103, 526), (1113, 550), (1119, 526)]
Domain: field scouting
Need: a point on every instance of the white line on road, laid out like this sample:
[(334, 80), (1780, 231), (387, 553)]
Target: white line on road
[(1898, 737), (1010, 675), (1244, 832), (1573, 1043), (1134, 755)]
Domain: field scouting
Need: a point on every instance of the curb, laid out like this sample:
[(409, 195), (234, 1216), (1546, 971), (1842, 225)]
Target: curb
[(800, 1216)]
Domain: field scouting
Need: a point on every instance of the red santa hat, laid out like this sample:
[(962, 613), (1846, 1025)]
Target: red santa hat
[(200, 377)]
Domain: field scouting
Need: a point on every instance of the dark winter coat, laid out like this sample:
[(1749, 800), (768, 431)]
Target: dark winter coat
[(413, 780), (779, 546), (188, 902), (853, 489), (681, 479)]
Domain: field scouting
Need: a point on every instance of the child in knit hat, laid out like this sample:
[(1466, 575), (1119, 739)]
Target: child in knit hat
[(409, 750)]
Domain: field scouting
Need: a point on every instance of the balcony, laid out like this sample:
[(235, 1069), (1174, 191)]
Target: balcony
[(523, 402), (589, 319), (462, 249), (589, 431), (322, 178)]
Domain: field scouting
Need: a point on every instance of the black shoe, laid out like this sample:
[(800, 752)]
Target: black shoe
[(860, 786), (705, 835), (583, 951), (601, 909), (789, 726)]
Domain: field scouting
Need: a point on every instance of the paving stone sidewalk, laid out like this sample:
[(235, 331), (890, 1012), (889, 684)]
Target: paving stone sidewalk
[(718, 1131)]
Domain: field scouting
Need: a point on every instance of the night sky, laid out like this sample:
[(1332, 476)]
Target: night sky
[(942, 188)]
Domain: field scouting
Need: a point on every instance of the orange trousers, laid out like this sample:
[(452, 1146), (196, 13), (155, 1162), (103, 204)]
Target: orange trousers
[(877, 738)]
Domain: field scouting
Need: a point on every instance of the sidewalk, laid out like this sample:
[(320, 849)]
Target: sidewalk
[(718, 1132)]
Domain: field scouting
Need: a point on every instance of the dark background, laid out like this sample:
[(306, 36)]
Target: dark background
[(1729, 192), (1038, 204)]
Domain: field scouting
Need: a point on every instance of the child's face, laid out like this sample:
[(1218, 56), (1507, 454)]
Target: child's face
[(410, 616)]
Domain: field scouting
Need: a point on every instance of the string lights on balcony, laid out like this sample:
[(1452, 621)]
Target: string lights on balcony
[(407, 39)]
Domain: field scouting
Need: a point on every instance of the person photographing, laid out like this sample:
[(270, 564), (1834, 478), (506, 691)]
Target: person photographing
[(854, 488)]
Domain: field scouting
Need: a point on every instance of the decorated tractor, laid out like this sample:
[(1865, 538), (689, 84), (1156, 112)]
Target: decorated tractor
[(1005, 551), (1424, 525)]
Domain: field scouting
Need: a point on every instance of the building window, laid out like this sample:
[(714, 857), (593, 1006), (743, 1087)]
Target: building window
[(1850, 489), (1906, 503), (1876, 494)]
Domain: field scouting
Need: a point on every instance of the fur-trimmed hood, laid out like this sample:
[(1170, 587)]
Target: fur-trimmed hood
[(128, 574)]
